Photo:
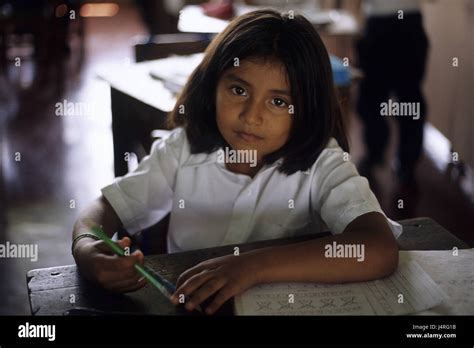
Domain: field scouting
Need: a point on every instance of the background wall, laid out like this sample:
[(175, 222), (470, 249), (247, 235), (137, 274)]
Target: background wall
[(449, 90)]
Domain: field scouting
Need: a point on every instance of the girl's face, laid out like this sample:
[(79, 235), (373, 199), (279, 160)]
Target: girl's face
[(253, 107)]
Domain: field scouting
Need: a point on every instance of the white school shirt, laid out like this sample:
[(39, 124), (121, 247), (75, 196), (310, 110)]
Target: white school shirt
[(212, 206)]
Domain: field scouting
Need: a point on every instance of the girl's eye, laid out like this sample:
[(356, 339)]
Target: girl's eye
[(279, 102), (238, 91)]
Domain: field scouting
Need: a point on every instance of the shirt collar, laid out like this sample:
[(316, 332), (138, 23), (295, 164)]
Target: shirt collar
[(200, 159)]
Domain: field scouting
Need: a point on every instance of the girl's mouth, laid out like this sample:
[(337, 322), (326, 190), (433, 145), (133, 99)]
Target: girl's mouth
[(248, 137)]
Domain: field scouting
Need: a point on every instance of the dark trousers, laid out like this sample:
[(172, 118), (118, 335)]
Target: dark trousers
[(392, 54)]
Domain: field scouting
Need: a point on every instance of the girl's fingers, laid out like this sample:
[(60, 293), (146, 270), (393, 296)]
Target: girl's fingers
[(103, 247), (117, 265), (115, 262), (191, 284), (138, 255), (114, 272), (183, 277), (117, 268), (223, 295), (124, 242), (192, 271), (205, 291)]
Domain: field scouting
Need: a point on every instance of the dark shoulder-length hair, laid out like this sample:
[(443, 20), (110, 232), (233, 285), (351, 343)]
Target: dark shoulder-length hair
[(293, 41)]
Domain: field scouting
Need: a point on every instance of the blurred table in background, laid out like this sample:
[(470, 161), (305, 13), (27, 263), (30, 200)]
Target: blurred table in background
[(338, 28), (335, 22)]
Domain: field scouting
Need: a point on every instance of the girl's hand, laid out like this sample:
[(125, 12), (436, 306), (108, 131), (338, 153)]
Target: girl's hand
[(224, 276), (112, 272)]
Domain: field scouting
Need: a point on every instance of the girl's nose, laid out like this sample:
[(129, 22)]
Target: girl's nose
[(252, 114)]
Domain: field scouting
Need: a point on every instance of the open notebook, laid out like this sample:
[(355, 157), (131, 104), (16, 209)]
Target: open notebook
[(424, 280)]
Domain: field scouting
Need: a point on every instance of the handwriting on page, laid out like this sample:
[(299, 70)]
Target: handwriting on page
[(408, 290)]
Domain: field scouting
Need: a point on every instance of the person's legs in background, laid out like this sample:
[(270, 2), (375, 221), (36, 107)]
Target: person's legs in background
[(376, 130), (411, 53), (374, 89), (413, 48), (410, 144)]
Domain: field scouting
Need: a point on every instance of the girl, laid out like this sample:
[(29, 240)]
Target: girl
[(265, 88)]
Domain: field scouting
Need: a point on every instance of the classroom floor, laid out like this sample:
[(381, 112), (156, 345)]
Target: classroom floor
[(66, 160)]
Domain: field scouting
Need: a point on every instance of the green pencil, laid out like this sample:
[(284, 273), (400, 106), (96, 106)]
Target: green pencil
[(155, 279)]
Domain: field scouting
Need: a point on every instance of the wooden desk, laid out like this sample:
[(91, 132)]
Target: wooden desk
[(50, 289)]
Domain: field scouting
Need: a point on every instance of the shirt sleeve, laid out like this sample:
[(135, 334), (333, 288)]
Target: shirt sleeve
[(340, 194), (143, 197)]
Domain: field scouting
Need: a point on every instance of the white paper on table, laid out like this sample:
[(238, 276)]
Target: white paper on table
[(379, 297), (454, 274)]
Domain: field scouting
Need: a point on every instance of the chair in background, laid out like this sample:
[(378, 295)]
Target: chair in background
[(165, 45)]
